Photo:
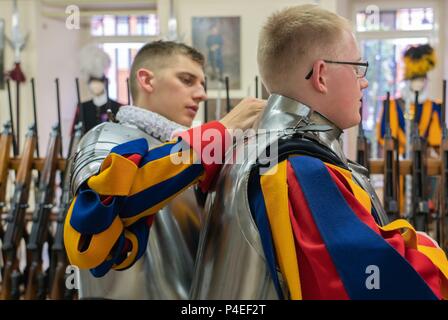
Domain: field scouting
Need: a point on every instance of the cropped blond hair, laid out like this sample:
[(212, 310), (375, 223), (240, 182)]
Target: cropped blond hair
[(297, 35)]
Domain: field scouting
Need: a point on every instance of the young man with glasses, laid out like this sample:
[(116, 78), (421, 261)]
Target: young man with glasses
[(309, 226)]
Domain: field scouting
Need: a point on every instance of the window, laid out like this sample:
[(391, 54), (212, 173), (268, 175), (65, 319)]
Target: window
[(121, 56), (399, 19), (109, 25), (384, 34), (121, 37)]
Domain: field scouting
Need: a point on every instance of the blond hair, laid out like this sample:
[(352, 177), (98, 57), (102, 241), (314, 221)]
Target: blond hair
[(297, 35)]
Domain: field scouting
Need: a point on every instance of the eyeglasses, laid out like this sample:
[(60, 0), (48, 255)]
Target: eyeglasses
[(360, 68)]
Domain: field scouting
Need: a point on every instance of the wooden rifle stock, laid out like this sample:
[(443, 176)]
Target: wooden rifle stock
[(15, 221), (36, 283), (5, 156), (58, 259)]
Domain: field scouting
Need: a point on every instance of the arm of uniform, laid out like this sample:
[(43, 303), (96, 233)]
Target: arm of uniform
[(107, 225), (317, 228)]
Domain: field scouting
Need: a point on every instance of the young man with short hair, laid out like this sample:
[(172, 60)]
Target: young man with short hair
[(310, 225), (124, 174)]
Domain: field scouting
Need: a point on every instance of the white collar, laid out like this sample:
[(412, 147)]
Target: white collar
[(150, 122)]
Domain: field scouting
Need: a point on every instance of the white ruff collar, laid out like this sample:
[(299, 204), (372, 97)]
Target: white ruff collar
[(150, 122)]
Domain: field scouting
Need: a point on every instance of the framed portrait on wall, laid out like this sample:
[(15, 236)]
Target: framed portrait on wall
[(218, 39)]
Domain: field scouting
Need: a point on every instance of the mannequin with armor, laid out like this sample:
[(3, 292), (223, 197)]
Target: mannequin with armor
[(296, 219), (94, 64), (123, 174)]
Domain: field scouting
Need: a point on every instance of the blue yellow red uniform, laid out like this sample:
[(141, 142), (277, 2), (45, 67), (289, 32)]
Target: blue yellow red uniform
[(428, 117), (316, 225), (108, 223)]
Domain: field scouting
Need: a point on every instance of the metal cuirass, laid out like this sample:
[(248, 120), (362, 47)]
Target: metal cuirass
[(230, 261), (166, 269)]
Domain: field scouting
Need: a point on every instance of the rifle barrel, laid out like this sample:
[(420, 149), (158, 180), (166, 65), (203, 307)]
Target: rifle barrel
[(58, 105), (14, 139), (33, 91), (228, 95)]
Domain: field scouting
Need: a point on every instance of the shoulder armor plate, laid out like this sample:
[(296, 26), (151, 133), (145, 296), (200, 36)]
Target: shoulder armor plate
[(94, 147)]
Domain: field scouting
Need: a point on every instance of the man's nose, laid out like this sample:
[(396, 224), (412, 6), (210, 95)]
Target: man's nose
[(199, 94), (364, 83)]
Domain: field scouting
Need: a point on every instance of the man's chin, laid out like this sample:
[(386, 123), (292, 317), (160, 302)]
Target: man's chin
[(186, 122)]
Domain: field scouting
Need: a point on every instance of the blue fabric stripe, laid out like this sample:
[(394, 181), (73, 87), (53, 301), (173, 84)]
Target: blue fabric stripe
[(437, 107), (258, 209), (150, 197), (352, 245), (141, 230), (401, 121), (160, 152), (139, 146), (90, 216), (104, 267), (383, 120)]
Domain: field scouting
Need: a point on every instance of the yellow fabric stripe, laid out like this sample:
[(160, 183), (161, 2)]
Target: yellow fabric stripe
[(100, 245), (425, 118), (409, 236), (396, 131), (157, 207), (439, 259), (435, 130), (436, 255), (359, 193), (162, 169), (116, 176), (275, 192), (131, 255)]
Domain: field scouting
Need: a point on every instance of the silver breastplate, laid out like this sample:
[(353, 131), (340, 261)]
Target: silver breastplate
[(231, 262)]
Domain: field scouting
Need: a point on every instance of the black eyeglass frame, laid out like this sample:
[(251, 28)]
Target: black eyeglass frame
[(364, 64)]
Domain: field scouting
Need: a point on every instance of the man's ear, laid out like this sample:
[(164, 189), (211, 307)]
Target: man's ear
[(319, 77), (145, 78)]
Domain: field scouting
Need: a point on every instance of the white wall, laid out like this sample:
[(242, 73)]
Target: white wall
[(51, 52), (27, 21), (56, 57), (252, 13)]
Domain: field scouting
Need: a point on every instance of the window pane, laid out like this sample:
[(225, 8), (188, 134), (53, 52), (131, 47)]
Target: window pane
[(96, 26), (385, 73), (153, 25), (387, 20), (415, 19), (133, 25), (109, 25), (401, 19), (121, 55), (122, 26)]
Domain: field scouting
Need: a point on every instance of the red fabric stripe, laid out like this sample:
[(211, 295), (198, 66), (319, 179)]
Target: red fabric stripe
[(196, 139), (136, 158), (427, 270), (318, 276)]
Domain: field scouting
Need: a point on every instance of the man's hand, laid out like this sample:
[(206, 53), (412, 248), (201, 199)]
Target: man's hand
[(244, 114)]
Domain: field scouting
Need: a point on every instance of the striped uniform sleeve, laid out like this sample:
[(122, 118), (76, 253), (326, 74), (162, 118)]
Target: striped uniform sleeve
[(107, 225)]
